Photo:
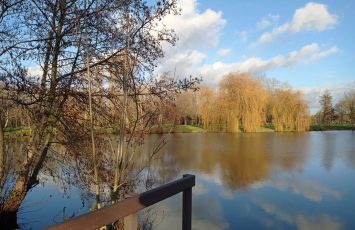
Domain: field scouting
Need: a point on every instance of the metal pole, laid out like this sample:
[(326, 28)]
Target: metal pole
[(186, 208)]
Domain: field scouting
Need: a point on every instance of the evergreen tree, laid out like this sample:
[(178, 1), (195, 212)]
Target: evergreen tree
[(327, 110)]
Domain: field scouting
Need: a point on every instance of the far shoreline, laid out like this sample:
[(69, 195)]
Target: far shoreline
[(26, 131), (268, 128)]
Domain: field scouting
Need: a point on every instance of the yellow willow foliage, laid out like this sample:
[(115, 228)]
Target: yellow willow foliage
[(206, 99), (244, 101), (289, 111), (186, 104)]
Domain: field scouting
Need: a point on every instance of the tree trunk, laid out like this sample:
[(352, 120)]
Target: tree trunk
[(2, 148), (8, 220), (25, 180), (122, 137)]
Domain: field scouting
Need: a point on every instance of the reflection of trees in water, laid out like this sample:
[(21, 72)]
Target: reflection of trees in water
[(336, 145), (237, 159), (348, 146), (13, 148), (72, 166), (207, 214), (53, 171), (289, 149), (350, 157), (328, 150)]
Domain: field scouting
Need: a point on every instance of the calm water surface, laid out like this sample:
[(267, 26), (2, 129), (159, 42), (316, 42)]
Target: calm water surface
[(244, 181)]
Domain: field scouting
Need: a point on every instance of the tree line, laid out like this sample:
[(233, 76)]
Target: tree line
[(343, 112), (242, 102)]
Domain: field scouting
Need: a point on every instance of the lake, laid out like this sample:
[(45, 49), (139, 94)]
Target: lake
[(243, 181)]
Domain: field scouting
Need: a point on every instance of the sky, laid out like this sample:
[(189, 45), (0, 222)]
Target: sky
[(309, 45)]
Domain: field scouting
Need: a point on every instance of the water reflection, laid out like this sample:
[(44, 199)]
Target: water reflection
[(236, 160), (329, 151), (244, 181), (301, 221), (209, 215), (309, 189), (264, 180)]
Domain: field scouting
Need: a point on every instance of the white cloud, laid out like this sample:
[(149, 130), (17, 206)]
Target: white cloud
[(196, 31), (35, 71), (301, 221), (223, 52), (242, 35), (310, 53), (206, 213), (226, 194), (312, 17), (268, 21), (312, 190)]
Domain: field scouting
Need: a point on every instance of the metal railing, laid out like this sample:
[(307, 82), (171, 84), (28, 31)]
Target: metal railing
[(127, 208)]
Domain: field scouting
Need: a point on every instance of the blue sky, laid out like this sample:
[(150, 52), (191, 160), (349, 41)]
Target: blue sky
[(310, 45)]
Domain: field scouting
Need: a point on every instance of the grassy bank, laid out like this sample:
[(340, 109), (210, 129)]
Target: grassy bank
[(19, 131), (324, 127), (268, 128), (24, 131), (192, 129), (177, 129)]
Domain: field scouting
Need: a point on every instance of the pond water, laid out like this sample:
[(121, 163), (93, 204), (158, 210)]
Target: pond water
[(243, 181)]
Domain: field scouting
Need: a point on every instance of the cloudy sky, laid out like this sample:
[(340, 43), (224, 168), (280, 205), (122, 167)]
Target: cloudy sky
[(310, 45)]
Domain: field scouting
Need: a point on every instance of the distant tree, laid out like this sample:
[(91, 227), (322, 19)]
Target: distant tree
[(187, 107), (317, 118), (340, 110), (345, 108), (289, 111), (244, 102), (350, 104), (206, 101), (245, 99), (327, 109)]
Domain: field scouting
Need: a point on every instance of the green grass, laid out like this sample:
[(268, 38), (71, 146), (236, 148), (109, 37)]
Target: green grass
[(169, 128), (265, 129), (188, 129), (163, 129), (18, 131), (324, 127), (269, 126)]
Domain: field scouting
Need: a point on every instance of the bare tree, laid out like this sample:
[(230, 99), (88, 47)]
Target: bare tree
[(51, 34), (345, 108)]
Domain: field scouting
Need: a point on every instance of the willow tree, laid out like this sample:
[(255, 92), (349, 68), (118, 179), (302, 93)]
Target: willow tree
[(289, 111), (206, 101), (186, 105), (243, 99)]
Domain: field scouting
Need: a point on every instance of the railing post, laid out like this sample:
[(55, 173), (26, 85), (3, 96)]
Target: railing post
[(186, 207), (126, 209), (130, 222)]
